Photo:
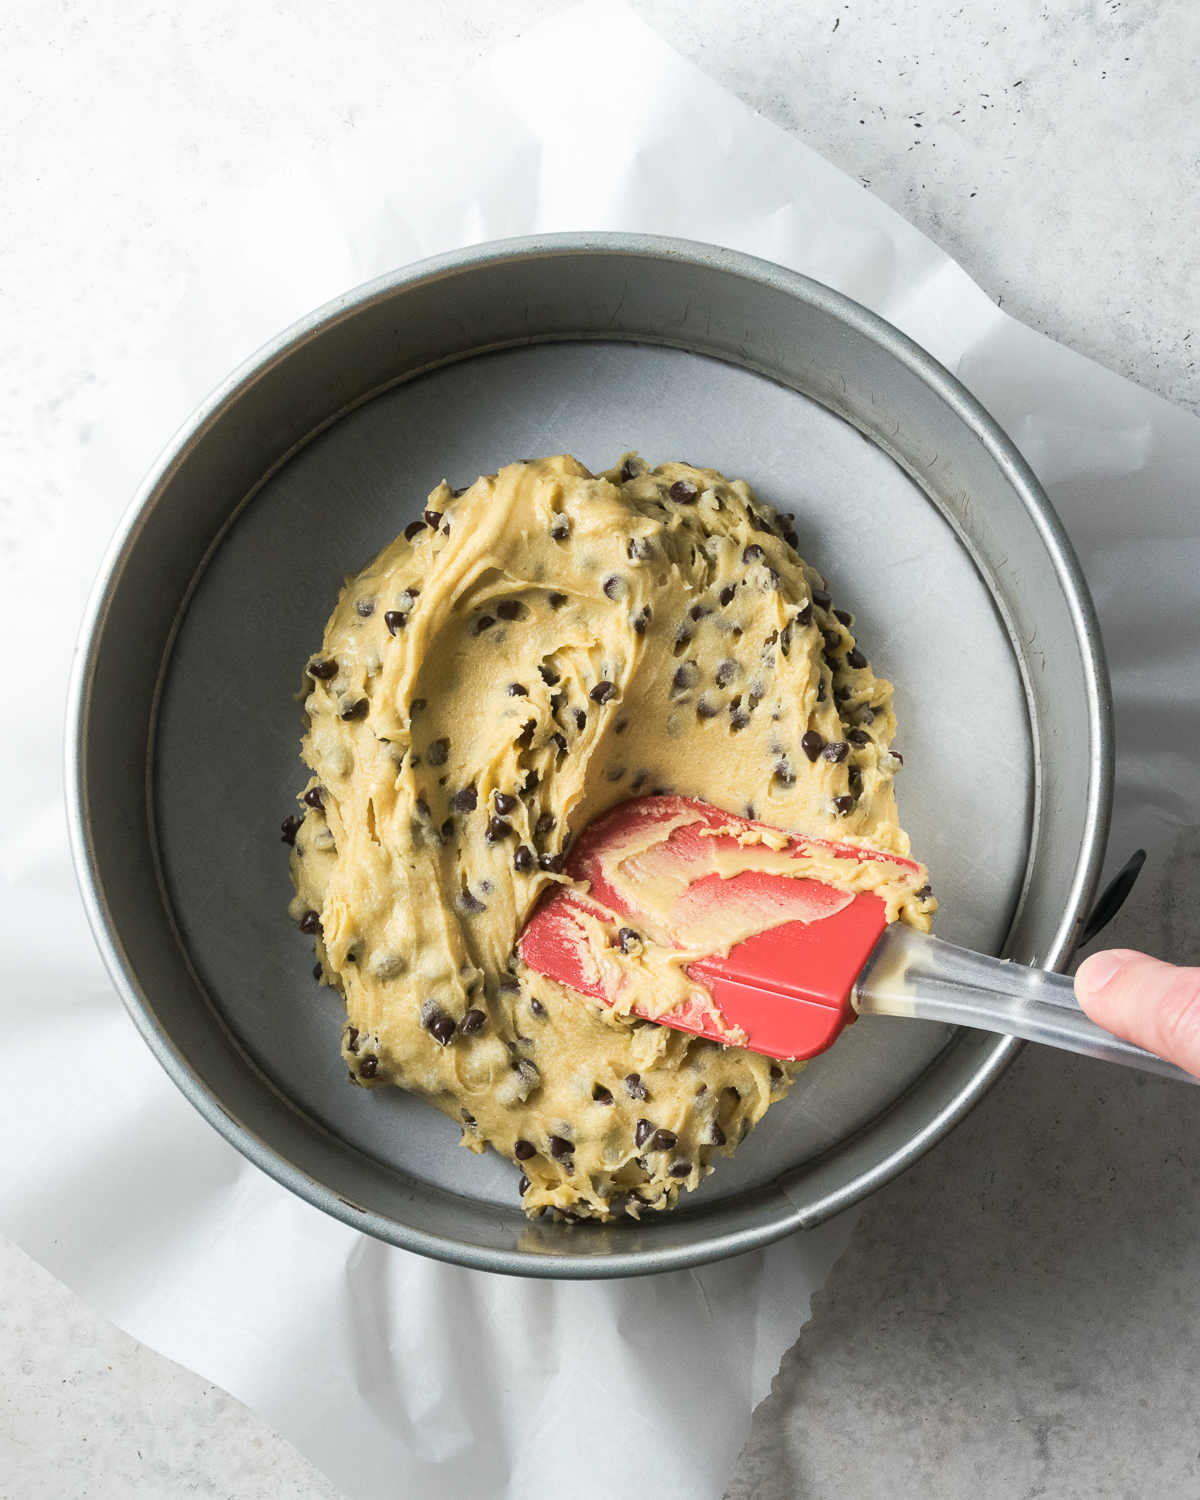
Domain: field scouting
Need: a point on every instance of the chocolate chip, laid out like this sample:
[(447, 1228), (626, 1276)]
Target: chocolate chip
[(804, 616), (504, 802), (313, 797), (474, 1020), (926, 890), (642, 1132), (559, 740), (509, 610), (447, 827), (523, 1185), (466, 800), (561, 529), (791, 539), (836, 751), (639, 549), (821, 691), (895, 754), (844, 616), (641, 620), (843, 803), (727, 593), (753, 553), (549, 676), (352, 1038), (508, 985), (368, 1067), (323, 670), (627, 470), (698, 611), (707, 710), (613, 588), (356, 710), (556, 601), (310, 922), (523, 1150), (413, 527), (602, 692), (531, 780), (518, 690), (497, 829), (438, 753), (832, 639), (627, 937), (366, 608), (664, 1140), (684, 492), (858, 736), (776, 1074), (738, 719), (856, 659), (433, 517), (821, 598), (580, 720), (716, 1135), (537, 1007), (551, 862), (395, 619), (484, 622), (442, 1028), (560, 1147), (544, 824), (682, 637), (811, 743), (634, 1086), (685, 676), (318, 970), (680, 1169), (601, 1095), (726, 671), (289, 828)]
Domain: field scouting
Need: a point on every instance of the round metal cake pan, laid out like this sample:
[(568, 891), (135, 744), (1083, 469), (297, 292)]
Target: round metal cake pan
[(183, 738)]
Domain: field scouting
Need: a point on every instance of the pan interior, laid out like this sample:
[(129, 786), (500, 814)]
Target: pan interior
[(226, 763)]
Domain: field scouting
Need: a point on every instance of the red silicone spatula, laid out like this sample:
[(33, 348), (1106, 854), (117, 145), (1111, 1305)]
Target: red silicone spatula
[(819, 956)]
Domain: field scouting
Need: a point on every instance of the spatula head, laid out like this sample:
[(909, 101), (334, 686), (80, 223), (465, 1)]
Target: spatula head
[(656, 864)]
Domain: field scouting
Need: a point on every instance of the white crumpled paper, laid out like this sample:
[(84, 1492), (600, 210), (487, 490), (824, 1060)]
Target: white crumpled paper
[(392, 1373)]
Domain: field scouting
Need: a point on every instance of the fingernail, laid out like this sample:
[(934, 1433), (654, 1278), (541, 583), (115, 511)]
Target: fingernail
[(1095, 972)]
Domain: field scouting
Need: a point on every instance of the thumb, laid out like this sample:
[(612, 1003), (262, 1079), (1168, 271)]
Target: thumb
[(1150, 1003)]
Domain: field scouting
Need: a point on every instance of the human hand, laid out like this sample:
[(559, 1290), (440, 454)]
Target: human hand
[(1150, 1003)]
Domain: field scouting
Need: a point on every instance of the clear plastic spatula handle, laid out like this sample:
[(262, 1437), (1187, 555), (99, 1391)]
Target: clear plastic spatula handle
[(912, 974)]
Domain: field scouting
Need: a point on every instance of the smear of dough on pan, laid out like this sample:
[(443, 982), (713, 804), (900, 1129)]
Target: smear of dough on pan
[(539, 647)]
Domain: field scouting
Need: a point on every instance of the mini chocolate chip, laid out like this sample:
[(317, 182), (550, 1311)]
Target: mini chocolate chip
[(698, 611), (352, 1038), (707, 710), (627, 937), (684, 492), (509, 610), (544, 824), (357, 710), (518, 690), (664, 1140), (504, 802), (843, 804), (776, 1074), (497, 829), (844, 616), (289, 828), (561, 529), (310, 922), (639, 549), (366, 608), (680, 1169), (822, 598), (442, 1028), (434, 517), (804, 616), (791, 539), (613, 587), (560, 1147), (474, 1020), (549, 676), (466, 800), (508, 984), (726, 671), (821, 691), (416, 706), (628, 472), (523, 1150), (395, 619), (832, 639), (555, 600), (856, 659), (858, 736), (727, 593), (484, 622), (753, 553), (641, 620), (738, 719), (559, 740), (531, 780), (811, 743), (642, 1133), (313, 797), (523, 1185), (717, 1135), (537, 1007), (438, 753), (551, 862), (448, 828), (601, 1095), (602, 692), (897, 756), (634, 1086), (413, 527), (580, 720), (317, 971), (368, 1067), (323, 669), (926, 890), (684, 676), (836, 751)]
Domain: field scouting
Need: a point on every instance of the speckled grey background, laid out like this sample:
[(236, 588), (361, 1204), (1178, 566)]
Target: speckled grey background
[(1014, 1318)]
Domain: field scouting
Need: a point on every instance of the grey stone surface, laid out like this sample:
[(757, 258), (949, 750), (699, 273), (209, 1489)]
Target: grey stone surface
[(1015, 1317)]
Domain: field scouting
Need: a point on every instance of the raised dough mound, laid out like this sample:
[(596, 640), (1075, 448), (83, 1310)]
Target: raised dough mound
[(549, 643)]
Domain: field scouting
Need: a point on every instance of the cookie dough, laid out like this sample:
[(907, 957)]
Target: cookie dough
[(537, 648)]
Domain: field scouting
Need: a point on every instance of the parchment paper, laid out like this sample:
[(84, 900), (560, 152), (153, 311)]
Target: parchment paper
[(394, 1374)]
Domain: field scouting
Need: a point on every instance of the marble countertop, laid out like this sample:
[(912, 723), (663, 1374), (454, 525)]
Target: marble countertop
[(1017, 1313)]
